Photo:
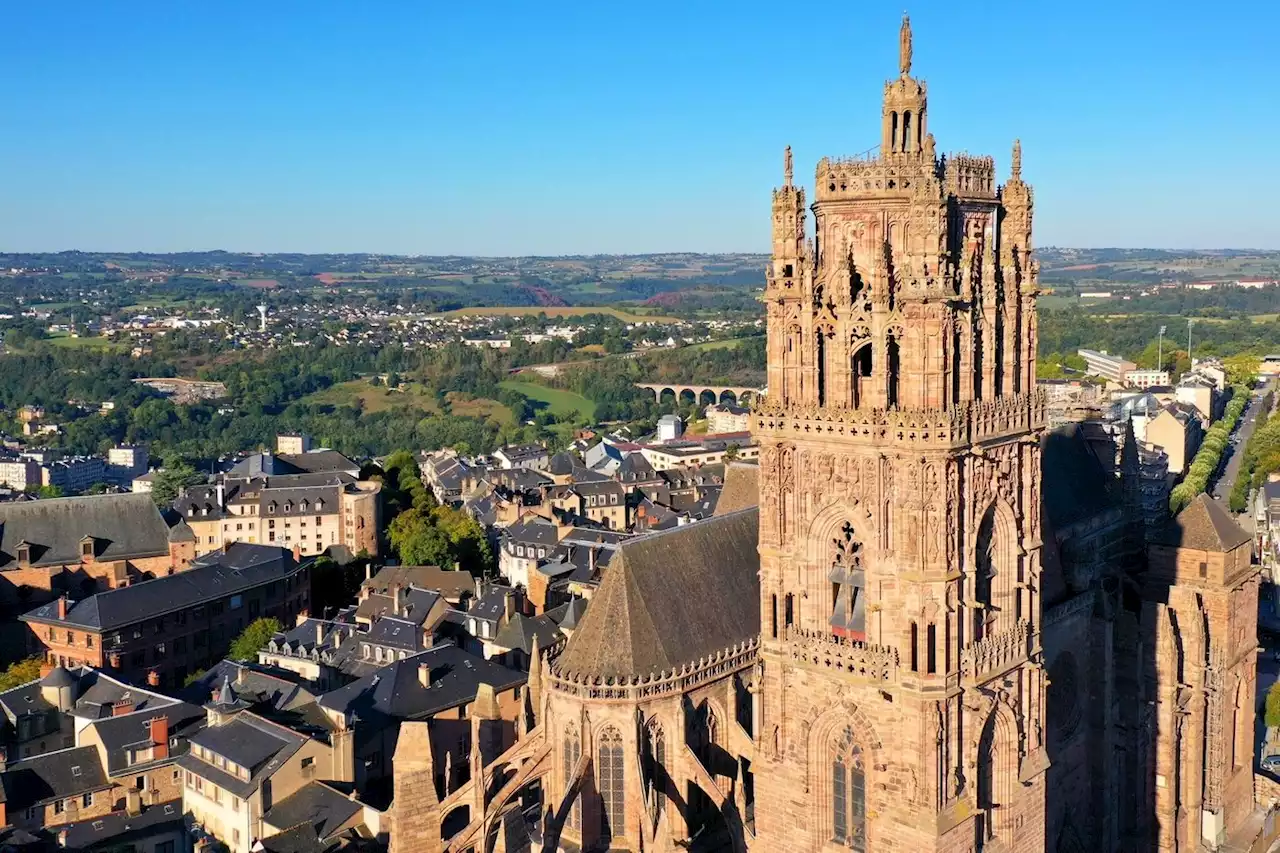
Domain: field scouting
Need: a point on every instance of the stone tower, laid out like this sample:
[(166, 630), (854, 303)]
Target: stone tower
[(901, 691)]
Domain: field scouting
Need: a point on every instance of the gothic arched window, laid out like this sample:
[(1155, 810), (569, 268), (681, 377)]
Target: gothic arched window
[(984, 574), (610, 778), (848, 795), (572, 755), (655, 756), (848, 582)]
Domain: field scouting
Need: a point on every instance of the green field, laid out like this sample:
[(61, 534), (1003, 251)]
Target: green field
[(727, 343), (106, 344), (376, 398), (558, 402)]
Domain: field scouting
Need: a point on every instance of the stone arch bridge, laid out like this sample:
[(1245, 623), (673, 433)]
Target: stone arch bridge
[(703, 395)]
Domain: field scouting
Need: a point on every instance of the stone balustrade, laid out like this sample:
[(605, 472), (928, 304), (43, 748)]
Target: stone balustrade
[(996, 653), (672, 682), (874, 663)]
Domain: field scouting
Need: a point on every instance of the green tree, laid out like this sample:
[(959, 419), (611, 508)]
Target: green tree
[(170, 480), (245, 647), (1273, 705), (50, 492), (418, 540), (20, 672)]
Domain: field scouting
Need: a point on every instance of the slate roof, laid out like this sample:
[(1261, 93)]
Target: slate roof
[(298, 839), (533, 531), (249, 741), (216, 575), (492, 604), (53, 776), (1203, 525), (278, 464), (118, 734), (119, 828), (520, 630), (394, 691), (451, 584), (124, 526), (670, 598), (316, 805), (259, 685), (562, 463), (741, 488)]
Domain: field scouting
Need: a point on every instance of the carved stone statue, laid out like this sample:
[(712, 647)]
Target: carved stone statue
[(904, 47), (786, 167)]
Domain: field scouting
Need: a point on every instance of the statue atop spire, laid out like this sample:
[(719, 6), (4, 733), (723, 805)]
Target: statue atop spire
[(786, 167), (1017, 158), (904, 46)]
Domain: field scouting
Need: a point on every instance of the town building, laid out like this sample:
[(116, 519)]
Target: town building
[(314, 511), (160, 631), (1202, 394), (670, 428), (726, 417), (1101, 363), (74, 474), (1147, 378), (20, 473), (125, 462), (1177, 430), (83, 545)]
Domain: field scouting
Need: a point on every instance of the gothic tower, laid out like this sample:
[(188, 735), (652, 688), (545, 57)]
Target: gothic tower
[(901, 692)]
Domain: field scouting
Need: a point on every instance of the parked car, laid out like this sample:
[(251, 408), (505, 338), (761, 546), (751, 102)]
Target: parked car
[(1271, 763)]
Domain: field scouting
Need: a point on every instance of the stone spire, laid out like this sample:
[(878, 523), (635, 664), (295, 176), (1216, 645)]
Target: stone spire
[(1017, 159), (904, 46), (786, 167), (226, 696)]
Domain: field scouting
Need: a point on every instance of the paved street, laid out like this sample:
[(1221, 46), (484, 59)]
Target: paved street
[(1235, 454)]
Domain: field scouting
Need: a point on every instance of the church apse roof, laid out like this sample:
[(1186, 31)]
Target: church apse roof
[(670, 598), (1203, 526)]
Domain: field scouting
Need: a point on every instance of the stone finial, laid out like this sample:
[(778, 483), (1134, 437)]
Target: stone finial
[(786, 167), (1017, 158), (904, 46)]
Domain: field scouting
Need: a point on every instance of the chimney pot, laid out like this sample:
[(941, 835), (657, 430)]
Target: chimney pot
[(124, 706)]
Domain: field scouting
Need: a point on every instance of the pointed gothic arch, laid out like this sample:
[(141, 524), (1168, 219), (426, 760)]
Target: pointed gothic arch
[(997, 760), (839, 743), (861, 367), (572, 750), (994, 572), (611, 783), (655, 768)]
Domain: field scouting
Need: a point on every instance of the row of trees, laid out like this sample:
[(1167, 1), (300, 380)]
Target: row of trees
[(1209, 457), (1261, 456)]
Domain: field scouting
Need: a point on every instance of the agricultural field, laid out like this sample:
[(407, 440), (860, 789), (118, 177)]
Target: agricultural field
[(559, 402), (375, 398), (466, 406), (727, 343), (93, 343)]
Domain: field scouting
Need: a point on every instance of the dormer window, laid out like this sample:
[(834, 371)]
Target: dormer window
[(271, 507), (86, 548), (191, 511), (305, 505), (288, 506), (206, 509), (24, 554), (319, 504)]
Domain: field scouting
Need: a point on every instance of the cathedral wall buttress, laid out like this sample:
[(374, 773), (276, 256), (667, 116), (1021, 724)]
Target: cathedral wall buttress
[(901, 692)]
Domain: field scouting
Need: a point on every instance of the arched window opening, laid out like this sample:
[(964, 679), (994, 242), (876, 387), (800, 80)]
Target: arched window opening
[(572, 755), (893, 131), (915, 646), (655, 763), (861, 370), (848, 582), (821, 356), (906, 131), (984, 578), (610, 778), (790, 615), (891, 391), (848, 795), (773, 617), (931, 648), (986, 781), (919, 130)]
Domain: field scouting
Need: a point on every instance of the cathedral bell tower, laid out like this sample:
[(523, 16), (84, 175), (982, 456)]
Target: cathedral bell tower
[(901, 691)]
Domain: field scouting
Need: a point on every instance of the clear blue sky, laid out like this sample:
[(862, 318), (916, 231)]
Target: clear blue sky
[(439, 126)]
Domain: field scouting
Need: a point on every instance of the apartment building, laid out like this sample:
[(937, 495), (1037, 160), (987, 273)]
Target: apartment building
[(1147, 378), (1177, 430), (20, 473), (314, 511), (85, 544), (75, 474), (708, 450), (241, 764), (162, 630), (1101, 363)]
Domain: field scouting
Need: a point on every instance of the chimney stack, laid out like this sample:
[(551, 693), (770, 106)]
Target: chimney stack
[(133, 802), (153, 678), (319, 633), (424, 674), (297, 554), (396, 598), (159, 728), (122, 707), (62, 607), (509, 604), (591, 559)]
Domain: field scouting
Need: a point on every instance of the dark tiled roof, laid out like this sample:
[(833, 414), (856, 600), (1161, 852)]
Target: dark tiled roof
[(132, 730), (119, 828), (273, 464), (1075, 486), (1203, 526), (533, 531), (318, 806), (249, 741), (449, 583), (123, 526), (670, 598), (395, 691), (562, 463), (214, 576), (298, 839), (52, 776), (741, 488), (520, 631)]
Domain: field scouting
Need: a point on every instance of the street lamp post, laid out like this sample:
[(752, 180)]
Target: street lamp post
[(1160, 349), (1190, 322)]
